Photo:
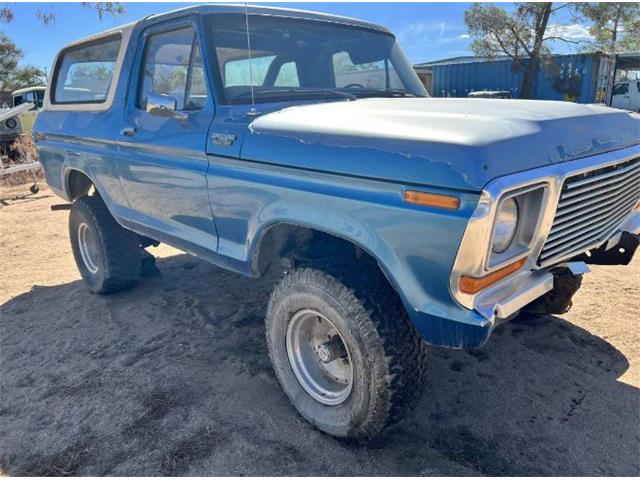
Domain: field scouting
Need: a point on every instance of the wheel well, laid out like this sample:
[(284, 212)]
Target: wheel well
[(287, 245), (78, 184)]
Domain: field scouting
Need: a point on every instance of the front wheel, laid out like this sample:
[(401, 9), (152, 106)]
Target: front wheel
[(345, 353)]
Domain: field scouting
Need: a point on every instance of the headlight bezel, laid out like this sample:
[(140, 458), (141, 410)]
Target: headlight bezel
[(11, 126), (530, 203)]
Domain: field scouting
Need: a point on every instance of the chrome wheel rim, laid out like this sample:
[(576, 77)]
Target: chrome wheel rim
[(88, 247), (319, 357)]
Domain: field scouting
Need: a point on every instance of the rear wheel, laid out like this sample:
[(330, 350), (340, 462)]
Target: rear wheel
[(345, 353), (107, 255)]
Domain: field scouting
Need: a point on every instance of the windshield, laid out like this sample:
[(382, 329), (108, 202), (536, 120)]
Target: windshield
[(294, 59)]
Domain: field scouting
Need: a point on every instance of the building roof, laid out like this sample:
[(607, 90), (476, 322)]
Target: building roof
[(628, 61), (626, 58), (463, 59)]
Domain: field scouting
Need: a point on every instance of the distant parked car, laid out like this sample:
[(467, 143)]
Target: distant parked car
[(626, 95), (490, 94), (34, 95), (10, 130)]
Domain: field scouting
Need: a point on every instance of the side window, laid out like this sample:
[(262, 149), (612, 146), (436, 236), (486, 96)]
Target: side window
[(172, 65), (30, 97), (287, 76), (621, 89), (84, 73), (18, 100), (236, 72)]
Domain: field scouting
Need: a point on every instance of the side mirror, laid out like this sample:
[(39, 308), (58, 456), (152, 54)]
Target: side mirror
[(161, 105), (164, 106)]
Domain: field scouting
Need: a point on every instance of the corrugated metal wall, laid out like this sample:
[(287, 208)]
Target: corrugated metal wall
[(575, 79)]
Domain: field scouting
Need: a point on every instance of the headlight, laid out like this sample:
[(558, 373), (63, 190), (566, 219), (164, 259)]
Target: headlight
[(506, 225), (11, 123)]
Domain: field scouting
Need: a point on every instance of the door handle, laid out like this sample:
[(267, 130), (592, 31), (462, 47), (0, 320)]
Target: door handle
[(128, 131)]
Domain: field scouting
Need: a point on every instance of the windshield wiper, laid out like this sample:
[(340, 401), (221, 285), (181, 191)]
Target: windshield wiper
[(299, 91), (387, 92)]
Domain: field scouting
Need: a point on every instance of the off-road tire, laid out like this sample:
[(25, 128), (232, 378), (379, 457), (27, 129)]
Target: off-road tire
[(118, 250), (387, 354)]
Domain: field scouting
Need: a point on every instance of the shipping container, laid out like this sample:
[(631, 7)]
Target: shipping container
[(583, 78)]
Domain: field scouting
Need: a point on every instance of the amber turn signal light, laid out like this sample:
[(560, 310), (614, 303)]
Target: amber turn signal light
[(432, 200), (474, 285)]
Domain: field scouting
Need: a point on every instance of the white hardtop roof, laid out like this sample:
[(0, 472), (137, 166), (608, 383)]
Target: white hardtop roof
[(105, 33), (235, 8), (28, 89)]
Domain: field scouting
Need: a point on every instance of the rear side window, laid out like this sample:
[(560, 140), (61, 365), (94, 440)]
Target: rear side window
[(84, 73), (364, 75), (236, 71), (287, 76)]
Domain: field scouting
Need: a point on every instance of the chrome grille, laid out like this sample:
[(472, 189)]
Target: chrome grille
[(591, 206)]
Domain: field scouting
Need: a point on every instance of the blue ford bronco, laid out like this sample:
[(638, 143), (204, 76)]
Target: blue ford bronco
[(271, 140)]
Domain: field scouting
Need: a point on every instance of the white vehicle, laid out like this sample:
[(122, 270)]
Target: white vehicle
[(34, 96), (626, 95)]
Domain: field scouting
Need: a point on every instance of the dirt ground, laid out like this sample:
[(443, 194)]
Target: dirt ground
[(173, 378)]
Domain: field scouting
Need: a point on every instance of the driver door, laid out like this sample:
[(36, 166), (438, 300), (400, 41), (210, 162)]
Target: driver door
[(163, 163)]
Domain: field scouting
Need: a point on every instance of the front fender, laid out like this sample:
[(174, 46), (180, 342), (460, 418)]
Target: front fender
[(415, 246)]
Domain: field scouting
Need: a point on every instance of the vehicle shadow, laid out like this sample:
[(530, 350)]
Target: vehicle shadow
[(173, 378)]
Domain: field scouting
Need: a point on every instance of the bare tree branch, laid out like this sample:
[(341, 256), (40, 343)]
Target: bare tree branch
[(575, 42)]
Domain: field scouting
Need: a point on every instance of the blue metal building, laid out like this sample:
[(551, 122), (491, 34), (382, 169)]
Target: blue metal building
[(581, 78)]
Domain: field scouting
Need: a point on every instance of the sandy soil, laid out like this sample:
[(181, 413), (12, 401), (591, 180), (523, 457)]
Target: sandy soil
[(173, 378)]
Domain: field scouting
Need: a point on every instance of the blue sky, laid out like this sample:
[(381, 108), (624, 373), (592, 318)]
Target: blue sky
[(426, 31)]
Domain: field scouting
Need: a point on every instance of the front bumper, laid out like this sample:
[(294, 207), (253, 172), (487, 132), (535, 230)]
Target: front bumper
[(502, 302)]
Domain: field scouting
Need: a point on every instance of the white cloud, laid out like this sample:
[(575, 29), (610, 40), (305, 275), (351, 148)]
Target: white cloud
[(418, 30), (427, 34), (574, 32)]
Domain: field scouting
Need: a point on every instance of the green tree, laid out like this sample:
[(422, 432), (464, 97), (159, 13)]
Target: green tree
[(615, 26), (13, 76), (10, 54), (25, 77), (520, 35), (47, 13)]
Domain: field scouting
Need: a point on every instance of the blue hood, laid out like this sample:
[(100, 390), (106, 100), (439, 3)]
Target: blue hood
[(450, 143)]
